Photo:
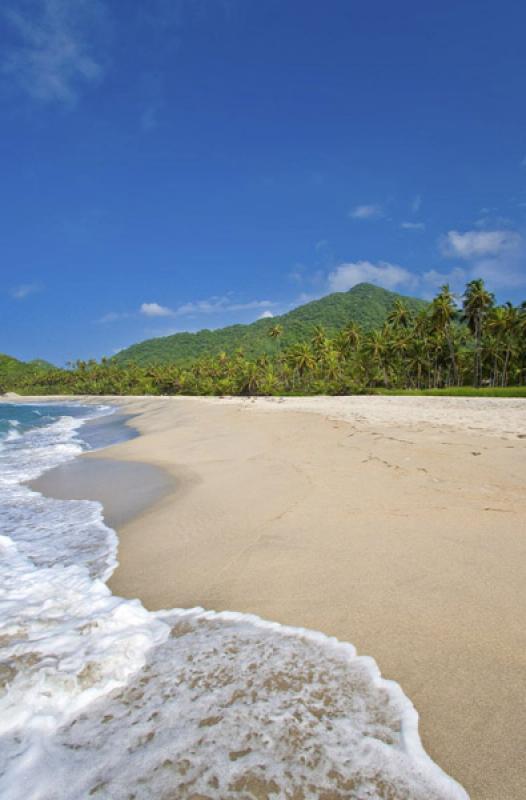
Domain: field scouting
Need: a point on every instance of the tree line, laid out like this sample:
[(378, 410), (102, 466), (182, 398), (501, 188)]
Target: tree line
[(448, 344)]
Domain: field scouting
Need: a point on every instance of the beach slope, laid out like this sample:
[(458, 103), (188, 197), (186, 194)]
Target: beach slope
[(396, 524)]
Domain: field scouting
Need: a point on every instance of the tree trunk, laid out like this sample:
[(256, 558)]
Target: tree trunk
[(478, 368)]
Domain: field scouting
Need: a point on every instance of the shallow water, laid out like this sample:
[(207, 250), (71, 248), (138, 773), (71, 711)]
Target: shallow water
[(101, 698)]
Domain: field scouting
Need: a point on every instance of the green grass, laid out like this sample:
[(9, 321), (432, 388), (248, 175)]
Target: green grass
[(459, 391)]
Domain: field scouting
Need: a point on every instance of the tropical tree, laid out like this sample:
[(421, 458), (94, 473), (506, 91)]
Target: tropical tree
[(377, 348), (349, 338), (443, 312), (320, 341), (301, 358), (399, 316), (276, 331), (477, 302), (503, 325)]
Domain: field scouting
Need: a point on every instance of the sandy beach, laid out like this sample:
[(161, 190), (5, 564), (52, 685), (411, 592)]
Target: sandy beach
[(394, 523)]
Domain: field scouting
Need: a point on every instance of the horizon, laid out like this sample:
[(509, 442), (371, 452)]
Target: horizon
[(162, 173)]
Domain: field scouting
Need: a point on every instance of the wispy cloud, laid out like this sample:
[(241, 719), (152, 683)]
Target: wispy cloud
[(155, 310), (476, 244), (488, 221), (433, 279), (372, 211), (216, 305), (413, 226), (113, 316), (52, 55), (23, 290), (501, 273), (390, 276), (212, 305), (266, 315)]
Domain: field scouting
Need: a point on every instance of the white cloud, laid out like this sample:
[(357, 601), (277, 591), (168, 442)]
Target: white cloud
[(24, 290), (477, 244), (413, 226), (52, 57), (155, 310), (373, 211), (383, 274), (266, 315)]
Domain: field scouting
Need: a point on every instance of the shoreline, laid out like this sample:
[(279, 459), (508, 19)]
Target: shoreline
[(124, 489), (402, 537)]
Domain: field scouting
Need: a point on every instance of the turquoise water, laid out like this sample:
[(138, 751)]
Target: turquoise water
[(17, 419)]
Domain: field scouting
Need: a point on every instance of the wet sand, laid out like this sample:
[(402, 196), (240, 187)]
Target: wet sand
[(125, 489), (393, 523)]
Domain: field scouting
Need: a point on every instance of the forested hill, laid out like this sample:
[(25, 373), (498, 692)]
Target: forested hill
[(11, 370), (365, 304)]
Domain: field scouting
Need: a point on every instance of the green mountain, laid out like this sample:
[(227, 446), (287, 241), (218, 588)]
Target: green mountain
[(365, 304), (12, 370)]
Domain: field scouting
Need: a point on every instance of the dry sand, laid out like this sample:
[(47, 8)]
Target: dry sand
[(395, 523)]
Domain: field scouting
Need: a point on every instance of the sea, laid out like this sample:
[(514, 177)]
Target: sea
[(101, 698)]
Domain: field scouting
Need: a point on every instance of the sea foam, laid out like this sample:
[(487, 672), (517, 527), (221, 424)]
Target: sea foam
[(101, 698)]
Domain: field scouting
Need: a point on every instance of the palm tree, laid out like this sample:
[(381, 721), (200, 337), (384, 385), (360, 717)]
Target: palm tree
[(319, 340), (349, 338), (443, 312), (377, 348), (302, 358), (476, 303), (269, 381), (250, 379), (504, 326), (399, 316), (332, 365), (276, 331)]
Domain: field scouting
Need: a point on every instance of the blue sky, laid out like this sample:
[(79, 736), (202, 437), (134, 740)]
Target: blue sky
[(181, 164)]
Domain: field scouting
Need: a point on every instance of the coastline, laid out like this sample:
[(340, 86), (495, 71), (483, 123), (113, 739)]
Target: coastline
[(125, 489), (403, 538)]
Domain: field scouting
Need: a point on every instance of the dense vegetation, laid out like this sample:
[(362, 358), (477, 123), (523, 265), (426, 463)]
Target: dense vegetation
[(14, 372), (437, 348), (365, 304)]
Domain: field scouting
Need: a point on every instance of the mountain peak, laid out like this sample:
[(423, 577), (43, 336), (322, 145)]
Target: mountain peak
[(364, 303)]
